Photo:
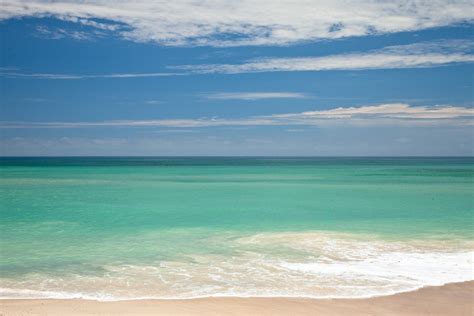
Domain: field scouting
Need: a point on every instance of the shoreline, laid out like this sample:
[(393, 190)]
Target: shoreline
[(452, 299), (116, 300)]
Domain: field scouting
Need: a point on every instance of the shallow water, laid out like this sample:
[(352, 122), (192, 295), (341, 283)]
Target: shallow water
[(125, 228)]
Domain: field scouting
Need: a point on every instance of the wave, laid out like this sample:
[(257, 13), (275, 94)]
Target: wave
[(310, 265)]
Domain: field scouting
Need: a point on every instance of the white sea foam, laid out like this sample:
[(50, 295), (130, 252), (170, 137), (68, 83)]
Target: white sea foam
[(316, 265)]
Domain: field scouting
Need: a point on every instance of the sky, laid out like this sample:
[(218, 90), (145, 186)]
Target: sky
[(236, 78)]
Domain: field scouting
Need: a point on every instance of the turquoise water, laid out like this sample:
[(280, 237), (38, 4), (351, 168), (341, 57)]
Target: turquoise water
[(115, 228)]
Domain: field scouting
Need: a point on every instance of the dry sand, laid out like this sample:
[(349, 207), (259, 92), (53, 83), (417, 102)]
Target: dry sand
[(451, 299)]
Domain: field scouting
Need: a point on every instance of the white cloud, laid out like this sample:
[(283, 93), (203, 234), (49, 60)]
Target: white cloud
[(77, 77), (391, 111), (41, 76), (154, 102), (91, 23), (59, 33), (372, 115), (135, 75), (247, 22), (255, 95), (419, 55), (425, 54)]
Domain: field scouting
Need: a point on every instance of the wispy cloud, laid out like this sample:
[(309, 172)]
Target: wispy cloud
[(371, 115), (91, 23), (427, 54), (399, 111), (246, 22), (59, 33), (419, 55), (35, 100), (153, 102), (255, 95), (96, 76)]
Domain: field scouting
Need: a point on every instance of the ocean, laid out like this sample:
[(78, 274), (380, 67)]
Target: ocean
[(131, 228)]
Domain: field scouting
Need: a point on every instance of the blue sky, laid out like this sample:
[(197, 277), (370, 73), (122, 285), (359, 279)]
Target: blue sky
[(227, 78)]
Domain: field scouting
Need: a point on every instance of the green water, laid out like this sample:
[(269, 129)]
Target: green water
[(78, 217)]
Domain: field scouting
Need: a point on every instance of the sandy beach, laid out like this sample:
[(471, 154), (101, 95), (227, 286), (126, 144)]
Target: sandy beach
[(451, 299)]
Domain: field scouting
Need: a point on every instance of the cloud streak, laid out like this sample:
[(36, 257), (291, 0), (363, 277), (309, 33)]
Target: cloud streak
[(60, 33), (246, 22), (419, 55), (251, 96), (372, 115), (78, 77)]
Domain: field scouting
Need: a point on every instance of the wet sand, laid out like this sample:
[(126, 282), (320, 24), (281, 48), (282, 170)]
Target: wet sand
[(451, 299)]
